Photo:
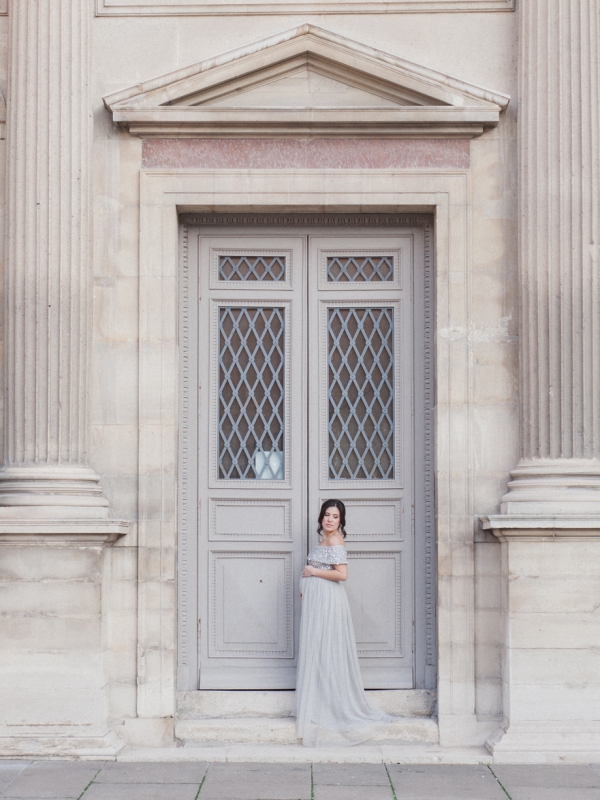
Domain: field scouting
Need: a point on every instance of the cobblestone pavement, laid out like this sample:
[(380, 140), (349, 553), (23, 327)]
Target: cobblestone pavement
[(93, 780)]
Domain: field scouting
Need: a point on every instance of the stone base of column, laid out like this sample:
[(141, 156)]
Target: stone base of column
[(548, 498), (567, 487), (51, 492), (546, 743)]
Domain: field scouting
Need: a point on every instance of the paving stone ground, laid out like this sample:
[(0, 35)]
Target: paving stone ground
[(93, 780)]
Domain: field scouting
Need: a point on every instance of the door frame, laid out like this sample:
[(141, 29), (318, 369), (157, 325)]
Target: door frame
[(445, 194), (416, 578)]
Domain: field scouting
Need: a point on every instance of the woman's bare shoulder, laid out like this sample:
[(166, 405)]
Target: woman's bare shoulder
[(337, 540)]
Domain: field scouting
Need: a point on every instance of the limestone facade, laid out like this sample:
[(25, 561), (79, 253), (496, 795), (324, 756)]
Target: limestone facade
[(104, 149)]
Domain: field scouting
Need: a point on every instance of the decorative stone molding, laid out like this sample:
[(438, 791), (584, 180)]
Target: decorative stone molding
[(559, 129), (101, 531), (526, 527), (535, 742), (47, 292), (2, 116), (196, 8), (65, 741), (369, 94), (292, 193)]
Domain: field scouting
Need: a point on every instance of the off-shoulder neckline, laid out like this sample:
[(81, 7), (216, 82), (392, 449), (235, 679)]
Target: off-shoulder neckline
[(329, 546)]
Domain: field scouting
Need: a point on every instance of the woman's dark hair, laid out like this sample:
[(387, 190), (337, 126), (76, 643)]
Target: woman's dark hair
[(340, 507)]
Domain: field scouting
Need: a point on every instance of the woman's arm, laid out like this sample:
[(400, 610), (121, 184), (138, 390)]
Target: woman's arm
[(338, 573)]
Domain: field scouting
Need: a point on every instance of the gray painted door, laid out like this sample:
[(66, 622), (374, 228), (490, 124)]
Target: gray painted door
[(306, 347), (361, 379)]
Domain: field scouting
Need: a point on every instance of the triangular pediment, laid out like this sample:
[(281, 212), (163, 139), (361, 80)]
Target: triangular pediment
[(305, 88), (306, 81)]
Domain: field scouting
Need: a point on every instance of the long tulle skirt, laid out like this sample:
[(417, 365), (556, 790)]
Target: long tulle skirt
[(332, 708)]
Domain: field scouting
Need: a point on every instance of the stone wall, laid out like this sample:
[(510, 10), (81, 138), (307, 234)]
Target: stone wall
[(108, 631)]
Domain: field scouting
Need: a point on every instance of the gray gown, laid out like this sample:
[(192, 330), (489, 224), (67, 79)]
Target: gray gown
[(332, 708)]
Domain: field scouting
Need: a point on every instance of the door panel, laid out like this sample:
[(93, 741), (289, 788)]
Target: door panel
[(251, 479), (375, 592), (361, 451), (374, 520), (250, 596), (250, 519)]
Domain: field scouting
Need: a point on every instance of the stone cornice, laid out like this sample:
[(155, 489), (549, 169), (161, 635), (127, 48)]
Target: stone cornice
[(37, 531), (523, 527), (200, 7), (417, 101)]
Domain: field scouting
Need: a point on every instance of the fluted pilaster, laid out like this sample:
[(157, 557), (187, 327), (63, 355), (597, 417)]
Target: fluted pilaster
[(47, 289), (559, 141)]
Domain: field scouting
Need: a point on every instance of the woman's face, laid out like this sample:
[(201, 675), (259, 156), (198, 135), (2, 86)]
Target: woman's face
[(331, 520)]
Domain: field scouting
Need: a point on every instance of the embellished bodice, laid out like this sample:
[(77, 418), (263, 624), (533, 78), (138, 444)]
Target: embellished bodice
[(322, 557)]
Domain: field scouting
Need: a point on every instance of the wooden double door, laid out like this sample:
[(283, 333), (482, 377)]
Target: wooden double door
[(304, 373)]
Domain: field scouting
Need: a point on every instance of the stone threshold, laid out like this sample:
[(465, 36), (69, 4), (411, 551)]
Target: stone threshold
[(374, 753), (274, 731), (210, 704)]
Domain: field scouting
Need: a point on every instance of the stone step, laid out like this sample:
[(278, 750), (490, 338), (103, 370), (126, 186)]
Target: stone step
[(376, 753), (218, 704), (264, 730)]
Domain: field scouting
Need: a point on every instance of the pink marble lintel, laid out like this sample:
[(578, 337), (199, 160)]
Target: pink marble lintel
[(306, 153)]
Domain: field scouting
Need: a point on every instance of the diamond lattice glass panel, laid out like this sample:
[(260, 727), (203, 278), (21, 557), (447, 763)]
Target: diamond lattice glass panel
[(251, 393), (360, 269), (361, 393), (235, 267)]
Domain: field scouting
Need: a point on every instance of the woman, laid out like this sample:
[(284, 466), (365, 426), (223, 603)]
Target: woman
[(331, 705)]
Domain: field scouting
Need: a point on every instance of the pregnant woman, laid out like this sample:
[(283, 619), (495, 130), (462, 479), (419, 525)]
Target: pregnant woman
[(331, 705)]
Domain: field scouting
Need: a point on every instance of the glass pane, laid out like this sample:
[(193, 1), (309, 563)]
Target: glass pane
[(360, 269), (252, 268), (251, 393), (361, 393)]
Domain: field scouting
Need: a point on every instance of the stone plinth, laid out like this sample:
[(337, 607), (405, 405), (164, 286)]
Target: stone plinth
[(551, 650), (53, 689)]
